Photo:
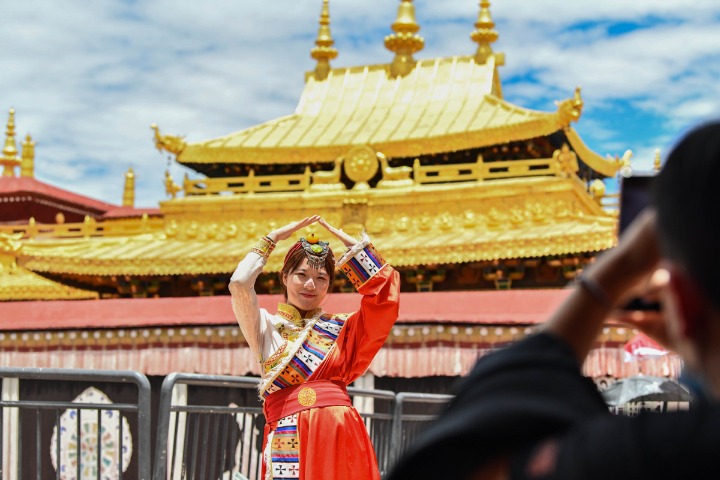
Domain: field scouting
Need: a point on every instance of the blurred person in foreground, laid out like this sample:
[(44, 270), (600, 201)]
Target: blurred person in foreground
[(527, 412)]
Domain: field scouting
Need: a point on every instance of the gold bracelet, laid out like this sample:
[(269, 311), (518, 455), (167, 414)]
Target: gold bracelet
[(264, 247)]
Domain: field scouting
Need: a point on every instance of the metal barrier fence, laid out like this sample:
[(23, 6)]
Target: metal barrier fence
[(208, 426), (192, 441), (87, 437), (407, 425), (197, 441)]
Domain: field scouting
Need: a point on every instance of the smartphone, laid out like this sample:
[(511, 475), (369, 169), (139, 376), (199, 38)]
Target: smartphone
[(635, 196)]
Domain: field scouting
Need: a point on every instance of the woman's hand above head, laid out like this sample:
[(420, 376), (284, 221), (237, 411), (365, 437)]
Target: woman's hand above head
[(286, 231), (347, 240)]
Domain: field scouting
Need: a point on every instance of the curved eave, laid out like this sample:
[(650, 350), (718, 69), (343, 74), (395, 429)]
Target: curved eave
[(24, 285), (598, 163), (153, 255), (536, 125)]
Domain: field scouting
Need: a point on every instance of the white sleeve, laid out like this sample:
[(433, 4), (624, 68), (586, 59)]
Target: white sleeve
[(245, 302)]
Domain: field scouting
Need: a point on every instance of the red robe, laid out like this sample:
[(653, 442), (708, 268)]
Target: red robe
[(329, 442)]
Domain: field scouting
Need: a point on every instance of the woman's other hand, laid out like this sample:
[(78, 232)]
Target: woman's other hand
[(347, 240), (285, 232)]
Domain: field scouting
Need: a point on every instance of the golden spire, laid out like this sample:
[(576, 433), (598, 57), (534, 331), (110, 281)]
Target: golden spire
[(323, 51), (484, 33), (405, 41), (27, 167), (9, 159), (129, 190), (657, 163)]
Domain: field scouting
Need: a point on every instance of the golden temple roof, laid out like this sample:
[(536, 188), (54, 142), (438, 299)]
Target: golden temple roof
[(19, 283), (22, 284), (428, 224), (444, 104), (434, 212)]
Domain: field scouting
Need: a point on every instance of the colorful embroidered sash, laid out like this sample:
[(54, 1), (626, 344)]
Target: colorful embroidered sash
[(313, 350), (282, 451)]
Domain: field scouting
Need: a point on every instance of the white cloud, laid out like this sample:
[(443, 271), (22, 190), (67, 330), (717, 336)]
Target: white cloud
[(88, 78)]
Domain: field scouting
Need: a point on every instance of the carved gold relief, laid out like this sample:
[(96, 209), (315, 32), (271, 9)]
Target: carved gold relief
[(446, 221), (354, 215), (469, 220), (10, 243), (171, 228), (566, 160), (328, 179), (393, 176)]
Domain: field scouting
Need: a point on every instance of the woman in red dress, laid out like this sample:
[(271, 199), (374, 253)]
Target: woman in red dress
[(308, 356)]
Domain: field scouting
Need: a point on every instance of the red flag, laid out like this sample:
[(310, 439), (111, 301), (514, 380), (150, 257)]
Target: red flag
[(642, 346)]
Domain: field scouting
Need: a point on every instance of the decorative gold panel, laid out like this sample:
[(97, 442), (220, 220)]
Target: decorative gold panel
[(433, 224)]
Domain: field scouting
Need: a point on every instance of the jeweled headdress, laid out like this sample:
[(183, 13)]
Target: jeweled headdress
[(316, 251)]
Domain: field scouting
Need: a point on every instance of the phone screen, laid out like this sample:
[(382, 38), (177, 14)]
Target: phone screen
[(635, 195)]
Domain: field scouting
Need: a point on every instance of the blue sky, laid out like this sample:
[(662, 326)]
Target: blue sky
[(88, 78)]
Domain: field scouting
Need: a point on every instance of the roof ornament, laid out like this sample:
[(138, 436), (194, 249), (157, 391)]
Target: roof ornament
[(169, 143), (10, 242), (484, 33), (624, 163), (171, 188), (9, 159), (570, 109), (324, 51), (129, 189), (657, 163), (405, 41), (27, 167)]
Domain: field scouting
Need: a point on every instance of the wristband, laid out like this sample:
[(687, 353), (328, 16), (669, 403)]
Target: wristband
[(264, 247), (597, 292)]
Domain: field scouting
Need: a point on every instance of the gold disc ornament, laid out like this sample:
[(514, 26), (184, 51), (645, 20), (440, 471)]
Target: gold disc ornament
[(307, 397), (361, 164)]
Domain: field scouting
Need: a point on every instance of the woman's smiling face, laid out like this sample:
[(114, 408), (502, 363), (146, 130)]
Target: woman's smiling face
[(306, 287)]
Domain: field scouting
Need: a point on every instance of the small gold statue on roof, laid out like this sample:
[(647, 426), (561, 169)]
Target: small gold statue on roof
[(170, 143)]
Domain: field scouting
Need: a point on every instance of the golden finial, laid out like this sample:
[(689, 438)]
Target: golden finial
[(484, 33), (405, 41), (9, 159), (27, 167), (129, 190), (657, 164), (323, 51)]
